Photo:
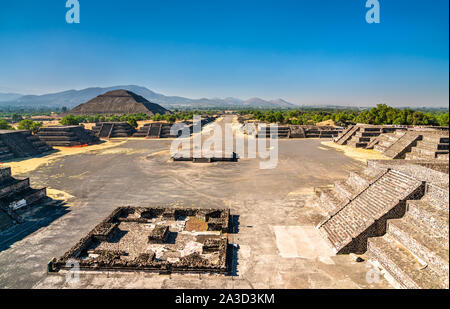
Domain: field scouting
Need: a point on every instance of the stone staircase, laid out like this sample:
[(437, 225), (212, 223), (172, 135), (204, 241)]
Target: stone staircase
[(113, 129), (362, 214), (155, 130), (363, 135), (67, 136), (15, 194), (431, 146), (347, 134), (414, 250)]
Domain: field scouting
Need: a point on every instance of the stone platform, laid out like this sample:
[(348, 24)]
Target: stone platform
[(67, 136)]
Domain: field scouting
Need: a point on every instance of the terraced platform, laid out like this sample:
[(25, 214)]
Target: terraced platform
[(67, 136), (20, 144), (363, 135), (306, 131)]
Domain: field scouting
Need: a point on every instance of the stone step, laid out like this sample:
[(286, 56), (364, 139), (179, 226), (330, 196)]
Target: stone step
[(432, 146), (435, 138), (348, 229), (427, 152), (11, 186), (344, 190), (429, 216), (402, 266), (357, 144), (421, 242)]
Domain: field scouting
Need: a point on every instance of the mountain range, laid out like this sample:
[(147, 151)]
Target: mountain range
[(72, 98)]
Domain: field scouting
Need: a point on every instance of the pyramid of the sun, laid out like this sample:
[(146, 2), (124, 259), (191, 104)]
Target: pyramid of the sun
[(118, 102)]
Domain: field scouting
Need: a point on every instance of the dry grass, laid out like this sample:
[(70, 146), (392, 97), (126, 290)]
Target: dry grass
[(196, 225)]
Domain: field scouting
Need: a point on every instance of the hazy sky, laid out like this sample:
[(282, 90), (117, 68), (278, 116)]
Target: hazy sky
[(305, 51)]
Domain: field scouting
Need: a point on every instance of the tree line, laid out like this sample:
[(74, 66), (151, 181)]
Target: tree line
[(380, 115)]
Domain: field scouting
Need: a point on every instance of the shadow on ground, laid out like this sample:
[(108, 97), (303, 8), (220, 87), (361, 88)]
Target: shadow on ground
[(35, 218)]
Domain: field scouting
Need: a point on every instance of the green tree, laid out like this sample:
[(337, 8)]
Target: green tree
[(70, 120), (30, 125), (4, 125), (16, 117)]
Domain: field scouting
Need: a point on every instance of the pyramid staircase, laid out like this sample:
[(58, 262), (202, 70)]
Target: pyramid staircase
[(362, 135), (113, 129), (67, 136), (155, 130), (347, 134), (15, 194), (363, 213), (398, 216)]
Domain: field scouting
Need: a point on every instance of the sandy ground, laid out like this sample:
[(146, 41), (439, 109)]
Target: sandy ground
[(30, 164), (355, 153), (276, 243)]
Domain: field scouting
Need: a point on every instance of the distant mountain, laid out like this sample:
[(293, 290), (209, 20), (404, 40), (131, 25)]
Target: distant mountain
[(72, 98), (9, 96)]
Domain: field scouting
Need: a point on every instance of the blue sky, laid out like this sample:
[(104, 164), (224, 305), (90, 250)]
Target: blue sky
[(305, 51)]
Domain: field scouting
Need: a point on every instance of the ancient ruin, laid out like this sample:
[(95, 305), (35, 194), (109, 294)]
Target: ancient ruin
[(113, 129), (15, 195), (67, 136), (161, 240), (300, 131), (20, 144), (155, 130), (118, 102), (397, 213), (413, 145)]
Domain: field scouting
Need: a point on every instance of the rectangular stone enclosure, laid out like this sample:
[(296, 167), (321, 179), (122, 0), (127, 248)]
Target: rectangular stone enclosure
[(162, 240)]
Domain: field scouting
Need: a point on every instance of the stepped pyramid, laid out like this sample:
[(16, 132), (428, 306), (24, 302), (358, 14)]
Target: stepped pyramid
[(362, 135), (397, 213), (15, 194), (67, 136), (20, 144), (113, 129), (118, 102)]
